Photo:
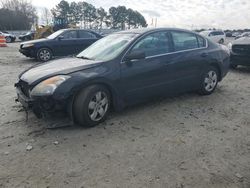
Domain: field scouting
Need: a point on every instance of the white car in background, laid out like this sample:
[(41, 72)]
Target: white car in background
[(9, 37), (215, 35), (245, 34)]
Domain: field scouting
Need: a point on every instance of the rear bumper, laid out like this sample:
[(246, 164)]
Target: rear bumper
[(29, 52), (225, 67)]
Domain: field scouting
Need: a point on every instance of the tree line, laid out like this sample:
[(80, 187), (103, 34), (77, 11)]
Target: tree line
[(21, 15), (90, 17), (17, 15)]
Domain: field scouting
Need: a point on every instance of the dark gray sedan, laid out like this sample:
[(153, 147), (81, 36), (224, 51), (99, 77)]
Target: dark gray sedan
[(122, 69)]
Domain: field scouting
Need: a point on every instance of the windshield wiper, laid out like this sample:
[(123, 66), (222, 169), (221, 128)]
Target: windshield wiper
[(84, 57)]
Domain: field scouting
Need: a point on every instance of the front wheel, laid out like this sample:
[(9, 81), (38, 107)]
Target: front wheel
[(209, 81), (91, 105), (44, 54)]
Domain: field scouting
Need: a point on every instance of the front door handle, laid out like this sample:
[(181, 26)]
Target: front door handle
[(204, 54)]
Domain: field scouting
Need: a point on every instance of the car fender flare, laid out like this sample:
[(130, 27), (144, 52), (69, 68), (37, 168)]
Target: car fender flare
[(217, 66)]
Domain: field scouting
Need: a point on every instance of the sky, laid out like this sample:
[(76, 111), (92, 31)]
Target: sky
[(190, 14)]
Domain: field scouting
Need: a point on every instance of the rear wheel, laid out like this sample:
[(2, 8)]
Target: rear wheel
[(233, 66), (8, 39), (44, 54), (91, 105), (209, 81), (221, 41)]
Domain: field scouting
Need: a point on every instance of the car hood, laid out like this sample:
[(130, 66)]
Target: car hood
[(35, 41), (61, 66), (242, 41)]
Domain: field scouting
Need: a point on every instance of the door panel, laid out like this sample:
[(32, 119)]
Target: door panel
[(177, 70), (189, 58), (147, 77), (143, 79), (66, 45)]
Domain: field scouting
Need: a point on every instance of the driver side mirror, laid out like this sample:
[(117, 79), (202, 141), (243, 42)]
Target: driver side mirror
[(135, 55), (60, 37)]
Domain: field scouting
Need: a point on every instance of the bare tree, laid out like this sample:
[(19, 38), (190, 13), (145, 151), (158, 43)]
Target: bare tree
[(17, 14), (46, 16)]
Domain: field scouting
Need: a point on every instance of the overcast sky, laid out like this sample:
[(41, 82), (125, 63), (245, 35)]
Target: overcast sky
[(223, 14)]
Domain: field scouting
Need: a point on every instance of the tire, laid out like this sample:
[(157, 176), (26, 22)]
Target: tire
[(221, 41), (209, 81), (44, 54), (91, 105), (232, 66), (8, 39)]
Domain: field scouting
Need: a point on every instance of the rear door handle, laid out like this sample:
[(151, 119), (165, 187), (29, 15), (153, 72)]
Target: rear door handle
[(204, 54)]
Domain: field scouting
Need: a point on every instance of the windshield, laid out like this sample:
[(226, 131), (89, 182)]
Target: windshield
[(56, 34), (108, 47)]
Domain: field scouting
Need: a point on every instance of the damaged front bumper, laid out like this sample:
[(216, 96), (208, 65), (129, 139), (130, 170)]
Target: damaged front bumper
[(27, 52), (42, 106), (25, 101)]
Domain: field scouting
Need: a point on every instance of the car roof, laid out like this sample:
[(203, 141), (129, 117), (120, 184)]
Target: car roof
[(73, 29), (148, 30), (213, 31)]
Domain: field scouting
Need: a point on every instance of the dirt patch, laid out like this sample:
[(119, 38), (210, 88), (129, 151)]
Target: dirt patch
[(185, 141)]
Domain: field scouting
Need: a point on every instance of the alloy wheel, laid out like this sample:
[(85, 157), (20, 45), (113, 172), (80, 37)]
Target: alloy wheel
[(210, 81), (98, 106), (44, 55), (8, 39)]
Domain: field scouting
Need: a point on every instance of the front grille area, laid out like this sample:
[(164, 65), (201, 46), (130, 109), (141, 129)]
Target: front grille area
[(241, 49), (24, 86)]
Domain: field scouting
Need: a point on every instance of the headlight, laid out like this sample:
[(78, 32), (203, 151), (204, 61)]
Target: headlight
[(47, 87), (230, 46), (27, 45)]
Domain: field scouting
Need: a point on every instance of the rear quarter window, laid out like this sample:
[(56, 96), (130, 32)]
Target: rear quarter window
[(86, 35)]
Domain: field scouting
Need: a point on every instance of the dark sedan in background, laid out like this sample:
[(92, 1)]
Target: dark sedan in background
[(240, 52), (122, 69), (27, 36), (61, 43)]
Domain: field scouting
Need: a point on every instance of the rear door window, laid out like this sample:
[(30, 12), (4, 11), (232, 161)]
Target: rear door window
[(154, 44), (86, 35), (184, 40), (216, 33), (70, 35)]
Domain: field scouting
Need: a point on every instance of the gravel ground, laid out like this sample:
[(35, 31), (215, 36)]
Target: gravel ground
[(187, 141)]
